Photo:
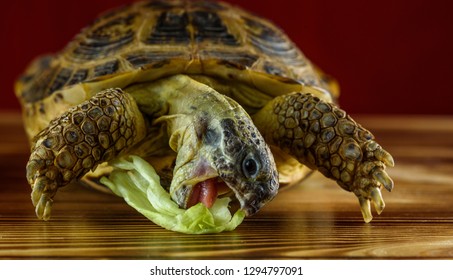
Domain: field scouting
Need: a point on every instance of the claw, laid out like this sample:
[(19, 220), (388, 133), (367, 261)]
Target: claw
[(41, 197), (40, 206), (38, 189), (47, 210), (35, 196), (43, 208), (366, 209), (378, 202), (385, 157), (382, 177)]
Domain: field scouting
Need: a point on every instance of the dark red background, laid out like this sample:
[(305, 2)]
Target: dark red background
[(391, 57)]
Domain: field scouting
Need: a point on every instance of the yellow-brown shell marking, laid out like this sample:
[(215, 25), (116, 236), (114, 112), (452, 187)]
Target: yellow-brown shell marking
[(149, 40)]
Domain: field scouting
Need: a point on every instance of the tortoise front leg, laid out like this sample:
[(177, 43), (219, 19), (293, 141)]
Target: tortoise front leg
[(324, 137), (93, 132)]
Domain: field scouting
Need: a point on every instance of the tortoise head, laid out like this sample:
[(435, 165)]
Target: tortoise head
[(223, 154)]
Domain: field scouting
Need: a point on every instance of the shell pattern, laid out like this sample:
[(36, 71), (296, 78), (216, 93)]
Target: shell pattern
[(167, 37)]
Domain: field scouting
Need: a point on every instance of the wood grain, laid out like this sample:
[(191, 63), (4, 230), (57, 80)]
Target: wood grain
[(315, 220)]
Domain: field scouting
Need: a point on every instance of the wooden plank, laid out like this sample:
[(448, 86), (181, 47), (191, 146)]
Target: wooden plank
[(314, 220)]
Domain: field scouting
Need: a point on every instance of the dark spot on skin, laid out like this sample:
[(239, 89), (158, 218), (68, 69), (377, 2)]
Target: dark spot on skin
[(228, 125), (41, 108), (232, 141), (58, 97), (201, 126), (211, 137)]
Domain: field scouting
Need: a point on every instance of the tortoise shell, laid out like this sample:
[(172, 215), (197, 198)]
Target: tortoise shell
[(149, 40)]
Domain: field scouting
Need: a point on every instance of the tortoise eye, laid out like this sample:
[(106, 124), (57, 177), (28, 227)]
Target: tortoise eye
[(250, 167)]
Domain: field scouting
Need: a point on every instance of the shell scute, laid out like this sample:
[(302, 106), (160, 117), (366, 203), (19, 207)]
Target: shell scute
[(170, 28), (210, 27), (154, 59), (107, 68), (152, 39), (79, 76), (105, 39)]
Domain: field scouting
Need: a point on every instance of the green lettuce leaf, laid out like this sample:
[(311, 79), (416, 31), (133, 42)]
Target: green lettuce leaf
[(137, 182)]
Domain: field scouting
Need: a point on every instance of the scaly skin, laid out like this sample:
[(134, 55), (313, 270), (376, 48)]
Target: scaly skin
[(211, 134), (92, 132), (324, 137)]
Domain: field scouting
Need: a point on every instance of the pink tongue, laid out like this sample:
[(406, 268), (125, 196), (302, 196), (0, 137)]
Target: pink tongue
[(204, 192)]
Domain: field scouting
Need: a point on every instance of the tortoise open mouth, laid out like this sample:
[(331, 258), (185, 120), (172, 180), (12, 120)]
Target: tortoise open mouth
[(207, 192)]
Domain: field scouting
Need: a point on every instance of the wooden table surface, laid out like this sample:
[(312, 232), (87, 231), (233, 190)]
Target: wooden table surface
[(317, 220)]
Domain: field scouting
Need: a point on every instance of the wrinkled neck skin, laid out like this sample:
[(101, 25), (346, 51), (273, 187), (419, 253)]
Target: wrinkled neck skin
[(195, 136), (214, 138)]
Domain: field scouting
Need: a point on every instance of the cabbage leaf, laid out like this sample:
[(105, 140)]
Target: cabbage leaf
[(137, 182)]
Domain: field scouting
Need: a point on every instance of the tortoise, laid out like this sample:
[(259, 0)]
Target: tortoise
[(218, 100)]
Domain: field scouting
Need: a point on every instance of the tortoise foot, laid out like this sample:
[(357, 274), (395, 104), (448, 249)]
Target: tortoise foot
[(44, 179), (370, 177), (43, 204), (90, 133), (323, 137)]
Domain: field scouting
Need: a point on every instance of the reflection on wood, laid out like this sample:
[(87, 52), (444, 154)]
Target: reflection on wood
[(315, 220)]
